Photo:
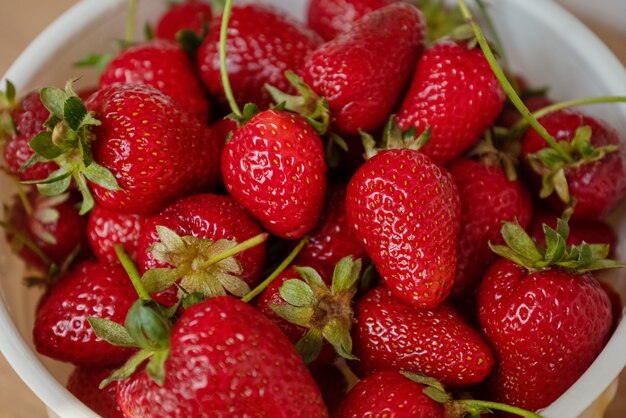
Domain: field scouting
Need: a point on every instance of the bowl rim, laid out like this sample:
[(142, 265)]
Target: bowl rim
[(54, 395)]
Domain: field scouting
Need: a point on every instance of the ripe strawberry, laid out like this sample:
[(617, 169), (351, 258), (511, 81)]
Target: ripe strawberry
[(390, 334), (189, 15), (162, 64), (274, 167), (256, 54), (388, 40), (456, 94), (405, 210), (488, 198), (182, 238), (83, 383), (596, 176), (545, 316), (226, 358), (330, 18), (61, 330), (106, 228), (332, 384)]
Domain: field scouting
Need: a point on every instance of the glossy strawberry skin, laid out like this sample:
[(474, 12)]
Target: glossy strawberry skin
[(256, 54), (274, 167), (455, 93), (598, 186), (255, 370), (157, 151), (83, 383), (206, 216), (106, 228), (363, 72), (389, 394), (61, 329), (330, 18), (405, 210), (392, 335), (545, 329), (162, 64), (488, 198), (190, 15)]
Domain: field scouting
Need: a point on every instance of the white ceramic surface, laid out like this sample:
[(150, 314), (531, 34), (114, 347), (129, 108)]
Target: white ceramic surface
[(544, 43)]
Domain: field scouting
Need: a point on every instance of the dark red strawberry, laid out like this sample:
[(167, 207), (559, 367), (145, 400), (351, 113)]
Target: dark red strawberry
[(274, 167), (162, 64), (330, 18), (456, 94), (390, 334), (488, 198), (190, 15), (363, 72), (83, 383), (405, 210), (595, 176), (256, 54), (61, 330), (617, 305), (106, 228), (229, 359), (332, 384)]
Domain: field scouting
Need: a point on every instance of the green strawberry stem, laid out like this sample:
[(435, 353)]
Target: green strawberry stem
[(286, 262), (130, 21), (239, 248), (228, 91), (477, 407), (24, 240), (132, 272), (506, 85)]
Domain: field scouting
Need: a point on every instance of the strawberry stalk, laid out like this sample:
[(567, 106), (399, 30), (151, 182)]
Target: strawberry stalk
[(239, 248), (132, 272), (228, 91), (131, 17), (477, 407)]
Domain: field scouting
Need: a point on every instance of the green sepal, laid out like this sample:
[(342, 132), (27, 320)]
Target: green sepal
[(128, 369), (147, 326), (337, 333), (111, 332), (297, 293), (158, 279), (53, 99), (369, 279), (519, 241), (42, 144), (346, 274), (436, 395), (101, 176), (190, 41), (298, 315), (249, 110), (148, 31), (310, 276), (394, 138), (192, 299), (98, 61), (434, 389), (555, 244), (156, 366), (55, 185), (7, 97), (88, 201), (309, 345)]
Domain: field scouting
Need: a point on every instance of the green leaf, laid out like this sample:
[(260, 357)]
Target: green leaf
[(127, 369), (294, 314), (101, 176), (297, 293), (309, 345), (111, 332), (42, 144), (53, 98), (88, 201), (147, 326), (158, 279), (156, 366), (346, 274), (337, 332), (520, 242)]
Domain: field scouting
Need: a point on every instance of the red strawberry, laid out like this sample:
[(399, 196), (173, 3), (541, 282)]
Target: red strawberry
[(106, 228), (162, 64), (488, 198), (405, 210), (596, 177), (544, 315), (390, 334), (226, 358), (61, 330), (363, 72), (330, 18), (189, 15), (274, 167), (456, 94), (617, 305), (189, 233), (83, 383), (256, 54), (332, 384)]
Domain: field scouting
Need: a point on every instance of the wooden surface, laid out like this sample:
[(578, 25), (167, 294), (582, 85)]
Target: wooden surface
[(19, 24)]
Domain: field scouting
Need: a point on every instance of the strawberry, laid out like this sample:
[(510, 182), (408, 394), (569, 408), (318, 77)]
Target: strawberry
[(227, 358), (595, 175), (274, 167), (190, 15), (390, 334), (162, 64), (180, 240), (544, 314), (405, 210), (61, 330), (330, 18), (332, 384), (488, 198), (456, 94), (256, 54), (106, 228), (83, 383), (363, 72)]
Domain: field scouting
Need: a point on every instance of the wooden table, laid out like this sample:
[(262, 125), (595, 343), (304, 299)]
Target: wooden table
[(19, 24)]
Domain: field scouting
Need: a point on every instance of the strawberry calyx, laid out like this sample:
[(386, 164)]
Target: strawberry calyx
[(441, 20), (67, 142), (200, 265), (576, 259), (7, 104), (325, 312), (394, 138), (498, 150)]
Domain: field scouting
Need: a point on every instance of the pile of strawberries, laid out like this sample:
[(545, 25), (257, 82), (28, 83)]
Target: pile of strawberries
[(373, 231)]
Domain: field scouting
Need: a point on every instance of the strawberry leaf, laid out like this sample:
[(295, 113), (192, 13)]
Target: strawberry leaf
[(436, 395), (297, 293), (111, 332), (53, 98), (337, 332), (147, 326), (156, 366), (555, 244), (158, 279), (519, 241), (310, 276), (294, 314), (309, 345), (43, 145), (346, 274), (101, 176), (127, 369)]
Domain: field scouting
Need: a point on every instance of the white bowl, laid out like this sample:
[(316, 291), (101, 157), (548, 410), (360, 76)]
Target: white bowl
[(544, 43)]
